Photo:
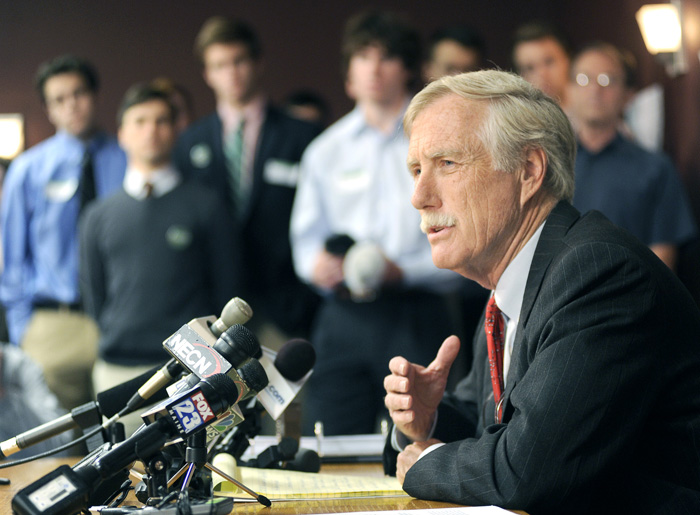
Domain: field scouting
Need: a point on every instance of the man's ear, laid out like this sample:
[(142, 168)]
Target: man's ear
[(533, 174)]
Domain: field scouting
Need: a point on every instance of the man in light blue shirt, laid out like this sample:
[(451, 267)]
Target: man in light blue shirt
[(384, 295), (42, 198)]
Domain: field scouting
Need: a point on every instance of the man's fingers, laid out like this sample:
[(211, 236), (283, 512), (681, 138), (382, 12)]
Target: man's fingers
[(446, 355), (394, 401), (399, 366), (398, 384)]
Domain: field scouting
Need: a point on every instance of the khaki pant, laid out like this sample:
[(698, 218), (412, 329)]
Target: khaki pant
[(64, 344), (106, 375)]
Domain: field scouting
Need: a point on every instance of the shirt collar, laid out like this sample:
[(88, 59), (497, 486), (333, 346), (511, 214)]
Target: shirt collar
[(92, 144), (358, 124), (612, 144), (510, 289), (163, 180), (253, 113)]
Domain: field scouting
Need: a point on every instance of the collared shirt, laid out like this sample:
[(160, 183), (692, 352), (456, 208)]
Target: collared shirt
[(40, 207), (163, 181), (636, 189), (254, 115), (510, 291), (354, 181)]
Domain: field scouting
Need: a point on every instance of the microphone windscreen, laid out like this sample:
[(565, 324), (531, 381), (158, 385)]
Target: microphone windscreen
[(305, 460), (236, 311), (224, 386), (113, 400), (254, 375), (338, 244), (363, 269), (238, 343), (295, 358)]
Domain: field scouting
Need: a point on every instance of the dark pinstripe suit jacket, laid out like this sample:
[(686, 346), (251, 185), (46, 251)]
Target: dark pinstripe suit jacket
[(602, 406), (262, 231)]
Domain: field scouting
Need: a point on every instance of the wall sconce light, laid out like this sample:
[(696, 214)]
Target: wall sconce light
[(11, 135), (661, 28)]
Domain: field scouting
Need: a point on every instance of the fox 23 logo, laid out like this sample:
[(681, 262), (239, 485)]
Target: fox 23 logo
[(193, 412)]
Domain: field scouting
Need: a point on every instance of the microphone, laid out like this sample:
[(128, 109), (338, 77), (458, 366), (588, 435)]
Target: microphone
[(339, 244), (66, 490), (237, 344), (250, 378), (287, 455), (364, 267), (288, 371), (295, 358), (196, 407), (108, 404), (236, 311)]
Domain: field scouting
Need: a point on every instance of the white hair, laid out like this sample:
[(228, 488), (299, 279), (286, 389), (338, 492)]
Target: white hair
[(519, 118)]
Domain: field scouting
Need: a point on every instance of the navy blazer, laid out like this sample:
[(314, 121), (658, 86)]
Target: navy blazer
[(262, 231), (602, 404)]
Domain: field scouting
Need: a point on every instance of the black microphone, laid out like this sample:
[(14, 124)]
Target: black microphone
[(235, 348), (66, 490), (286, 371), (254, 377), (295, 358), (288, 456), (196, 407), (339, 244), (237, 344)]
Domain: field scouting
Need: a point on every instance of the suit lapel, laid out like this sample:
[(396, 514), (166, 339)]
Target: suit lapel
[(557, 225), (266, 139), (562, 217)]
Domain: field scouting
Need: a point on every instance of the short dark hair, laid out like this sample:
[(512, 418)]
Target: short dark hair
[(536, 30), (466, 36), (219, 29), (624, 57), (140, 94), (387, 29), (66, 63)]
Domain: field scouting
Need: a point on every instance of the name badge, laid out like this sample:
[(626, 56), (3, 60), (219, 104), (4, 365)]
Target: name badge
[(61, 191), (281, 173)]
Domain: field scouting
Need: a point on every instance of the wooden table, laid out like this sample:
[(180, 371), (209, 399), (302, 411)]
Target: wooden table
[(23, 475)]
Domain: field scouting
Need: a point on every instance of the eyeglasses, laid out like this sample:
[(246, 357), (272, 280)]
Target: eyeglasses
[(603, 80)]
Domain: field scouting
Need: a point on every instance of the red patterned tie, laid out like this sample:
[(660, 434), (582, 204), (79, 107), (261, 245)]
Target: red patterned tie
[(494, 340)]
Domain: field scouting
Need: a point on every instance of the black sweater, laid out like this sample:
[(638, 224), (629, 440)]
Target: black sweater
[(148, 267)]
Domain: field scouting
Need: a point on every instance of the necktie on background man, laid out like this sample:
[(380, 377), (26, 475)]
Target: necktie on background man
[(233, 152), (88, 191), (147, 189), (494, 327)]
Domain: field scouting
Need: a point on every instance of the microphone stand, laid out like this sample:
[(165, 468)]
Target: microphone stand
[(196, 459)]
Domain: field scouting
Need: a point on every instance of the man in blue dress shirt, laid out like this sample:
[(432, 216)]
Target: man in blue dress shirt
[(45, 189), (637, 190)]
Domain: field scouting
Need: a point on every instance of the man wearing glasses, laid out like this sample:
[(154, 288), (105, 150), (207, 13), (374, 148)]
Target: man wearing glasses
[(44, 193), (636, 189)]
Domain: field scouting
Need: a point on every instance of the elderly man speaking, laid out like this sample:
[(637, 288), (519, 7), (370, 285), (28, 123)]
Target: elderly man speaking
[(584, 395)]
